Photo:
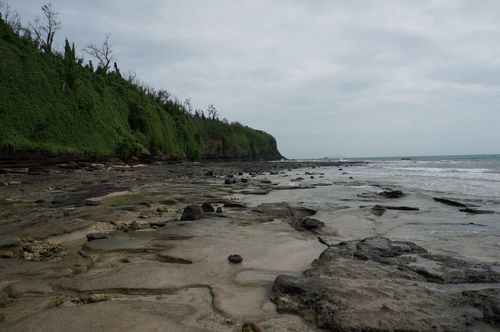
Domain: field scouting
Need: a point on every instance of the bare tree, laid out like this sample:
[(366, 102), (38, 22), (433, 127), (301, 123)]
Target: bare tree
[(46, 27), (163, 96), (188, 105), (199, 113), (10, 17), (212, 112), (103, 54), (131, 76)]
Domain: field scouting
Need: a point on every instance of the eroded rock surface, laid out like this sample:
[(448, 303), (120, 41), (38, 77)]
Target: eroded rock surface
[(381, 285)]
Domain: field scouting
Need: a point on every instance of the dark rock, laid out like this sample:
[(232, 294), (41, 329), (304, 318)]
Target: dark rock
[(219, 209), (449, 202), (392, 194), (96, 236), (381, 285), (256, 192), (350, 178), (210, 173), (39, 201), (192, 212), (207, 207), (240, 173), (266, 181), (401, 208), (298, 179), (2, 317), (244, 180), (235, 259), (476, 211), (306, 223), (378, 210), (228, 181), (91, 203)]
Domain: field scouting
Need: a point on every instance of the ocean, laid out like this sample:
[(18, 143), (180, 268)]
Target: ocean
[(472, 175), (346, 195)]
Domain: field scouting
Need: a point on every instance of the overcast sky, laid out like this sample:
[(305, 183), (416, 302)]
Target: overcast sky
[(327, 78)]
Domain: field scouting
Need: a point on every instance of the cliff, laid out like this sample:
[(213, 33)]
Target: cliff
[(53, 103)]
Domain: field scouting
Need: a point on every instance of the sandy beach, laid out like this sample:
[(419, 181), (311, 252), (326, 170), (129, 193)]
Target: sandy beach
[(145, 247)]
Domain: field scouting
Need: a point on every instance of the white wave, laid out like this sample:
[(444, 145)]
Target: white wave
[(441, 170)]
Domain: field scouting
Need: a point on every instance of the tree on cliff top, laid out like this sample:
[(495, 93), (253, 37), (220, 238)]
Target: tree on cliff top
[(10, 17), (103, 54), (44, 28)]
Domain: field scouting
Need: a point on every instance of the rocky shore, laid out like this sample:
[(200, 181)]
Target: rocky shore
[(377, 284), (223, 247)]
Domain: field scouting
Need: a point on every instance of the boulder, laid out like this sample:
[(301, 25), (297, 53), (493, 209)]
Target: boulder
[(192, 212), (235, 259), (207, 207)]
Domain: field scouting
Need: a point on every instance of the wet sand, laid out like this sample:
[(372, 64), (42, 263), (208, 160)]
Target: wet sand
[(147, 270)]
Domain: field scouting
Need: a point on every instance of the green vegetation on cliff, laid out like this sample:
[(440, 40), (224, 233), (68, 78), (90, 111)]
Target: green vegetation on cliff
[(53, 103)]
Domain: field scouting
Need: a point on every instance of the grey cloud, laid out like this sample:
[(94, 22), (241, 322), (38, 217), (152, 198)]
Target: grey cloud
[(327, 78)]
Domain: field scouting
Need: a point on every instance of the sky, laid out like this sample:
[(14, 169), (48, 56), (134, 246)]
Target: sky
[(327, 78)]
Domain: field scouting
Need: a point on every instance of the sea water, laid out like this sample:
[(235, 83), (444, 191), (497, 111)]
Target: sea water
[(343, 197), (477, 175)]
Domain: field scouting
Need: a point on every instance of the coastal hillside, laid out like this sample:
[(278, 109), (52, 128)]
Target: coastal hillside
[(53, 103)]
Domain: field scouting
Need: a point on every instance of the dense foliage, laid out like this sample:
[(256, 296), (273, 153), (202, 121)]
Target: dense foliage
[(52, 102)]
